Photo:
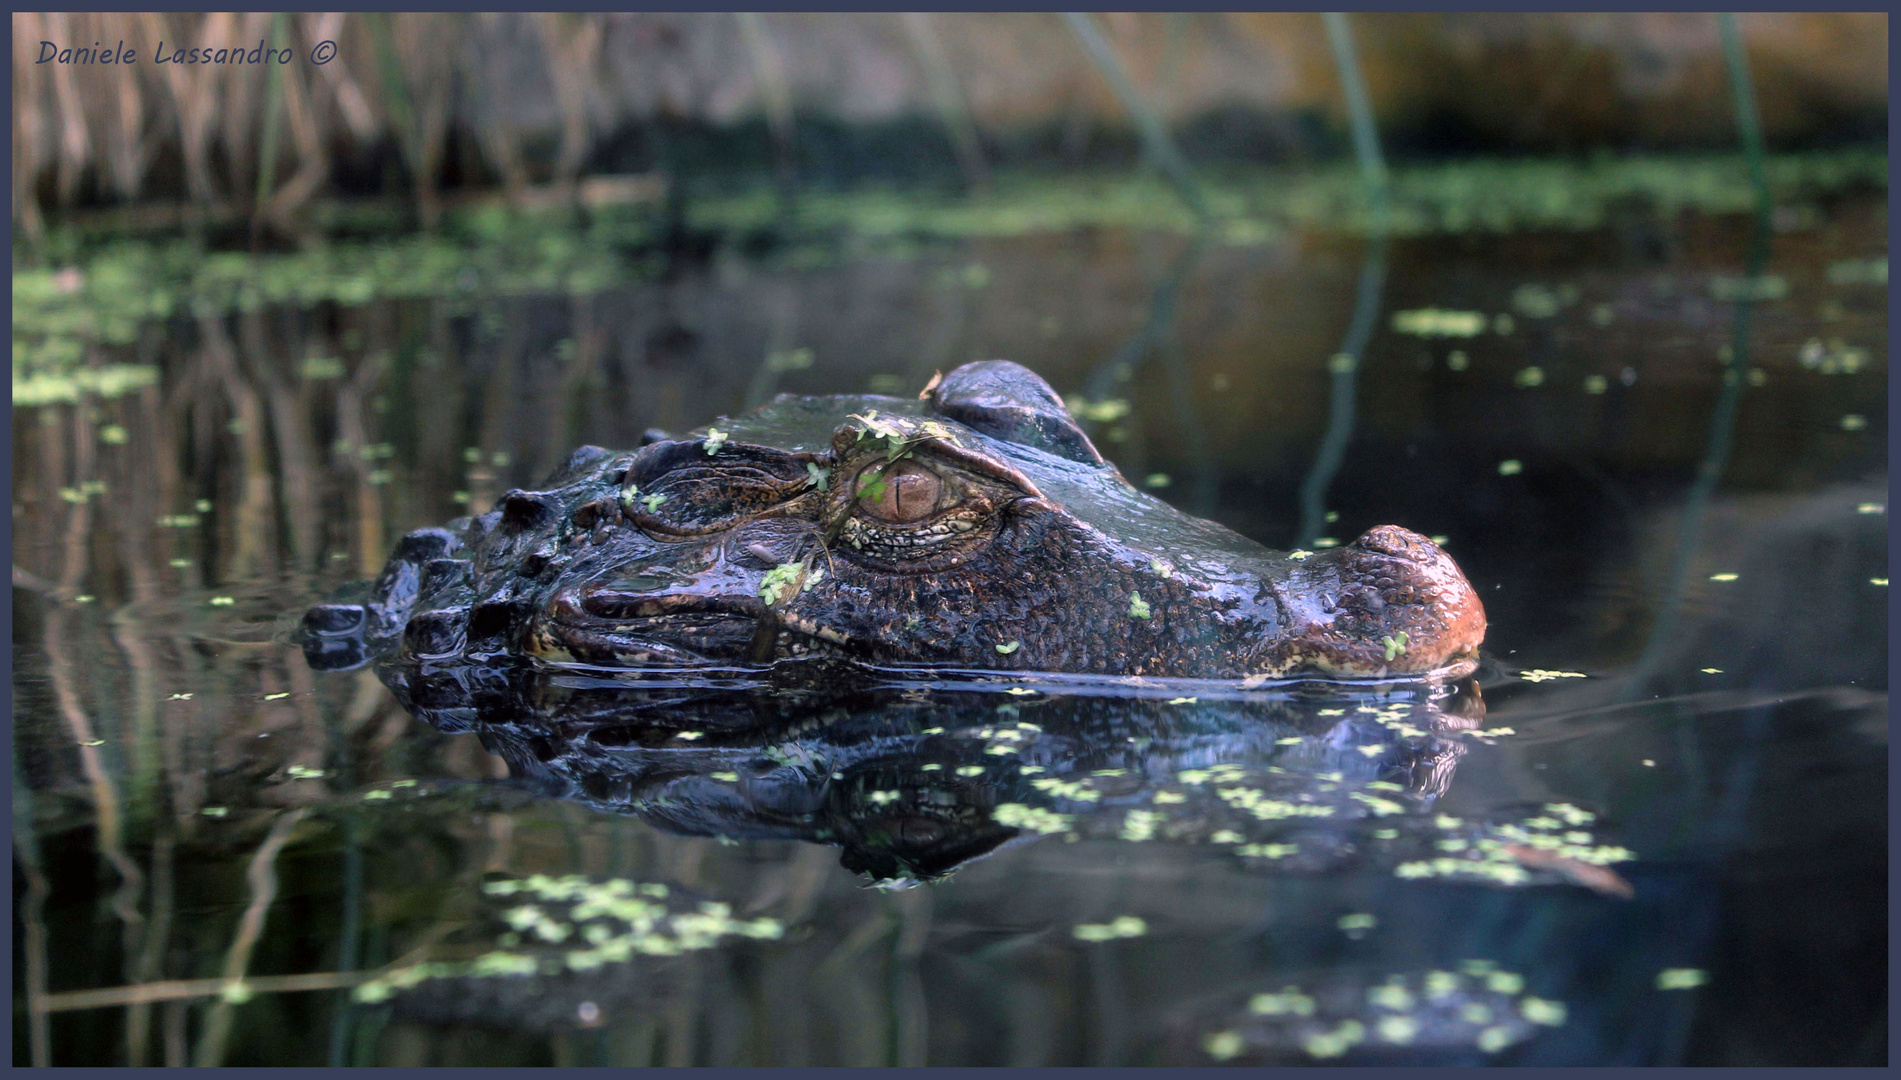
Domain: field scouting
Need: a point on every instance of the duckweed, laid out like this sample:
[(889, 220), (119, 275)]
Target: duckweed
[(1220, 774), (1349, 1034), (619, 919), (1140, 825), (1681, 978), (1858, 271), (1122, 926), (1034, 818), (787, 580), (1224, 1045), (1289, 1002), (1504, 982), (1540, 1011), (1439, 322), (1106, 411), (1398, 1030), (1392, 995), (1138, 608), (1258, 804), (1329, 1024), (1066, 789), (1538, 675), (1395, 646), (1380, 807), (1494, 1039)]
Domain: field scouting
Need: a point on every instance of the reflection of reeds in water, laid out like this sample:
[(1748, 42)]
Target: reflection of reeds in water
[(1344, 366), (1729, 401), (142, 704)]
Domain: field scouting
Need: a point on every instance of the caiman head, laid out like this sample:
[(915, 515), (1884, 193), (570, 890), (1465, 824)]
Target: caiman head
[(975, 527)]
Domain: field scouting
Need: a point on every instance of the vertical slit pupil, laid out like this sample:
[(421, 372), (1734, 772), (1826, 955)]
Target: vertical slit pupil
[(910, 493)]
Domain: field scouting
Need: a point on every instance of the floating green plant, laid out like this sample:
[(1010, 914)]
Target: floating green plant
[(1122, 926), (787, 580), (1536, 675), (615, 920), (1681, 978), (1034, 818)]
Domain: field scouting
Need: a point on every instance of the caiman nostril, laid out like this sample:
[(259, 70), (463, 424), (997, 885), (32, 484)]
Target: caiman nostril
[(1399, 543)]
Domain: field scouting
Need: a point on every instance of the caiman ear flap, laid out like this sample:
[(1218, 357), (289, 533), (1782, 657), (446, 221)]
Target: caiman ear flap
[(1008, 401)]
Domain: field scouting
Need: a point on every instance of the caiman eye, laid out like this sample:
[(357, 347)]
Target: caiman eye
[(906, 517), (900, 493)]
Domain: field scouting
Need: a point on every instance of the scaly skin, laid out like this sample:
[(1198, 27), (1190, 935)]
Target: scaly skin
[(976, 528)]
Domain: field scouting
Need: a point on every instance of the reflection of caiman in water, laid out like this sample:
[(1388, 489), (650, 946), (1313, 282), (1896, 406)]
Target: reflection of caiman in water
[(914, 781), (973, 528)]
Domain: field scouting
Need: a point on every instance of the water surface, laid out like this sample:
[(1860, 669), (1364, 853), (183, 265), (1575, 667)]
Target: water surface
[(1651, 831)]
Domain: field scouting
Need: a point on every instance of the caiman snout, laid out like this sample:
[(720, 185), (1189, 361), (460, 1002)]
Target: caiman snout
[(1392, 601)]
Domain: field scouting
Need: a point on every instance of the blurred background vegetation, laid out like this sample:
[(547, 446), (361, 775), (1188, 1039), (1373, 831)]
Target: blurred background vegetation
[(593, 110)]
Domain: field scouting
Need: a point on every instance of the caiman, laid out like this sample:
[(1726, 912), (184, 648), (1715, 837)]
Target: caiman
[(974, 527)]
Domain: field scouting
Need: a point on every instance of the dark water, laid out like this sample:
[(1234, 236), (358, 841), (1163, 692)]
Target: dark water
[(1672, 852)]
